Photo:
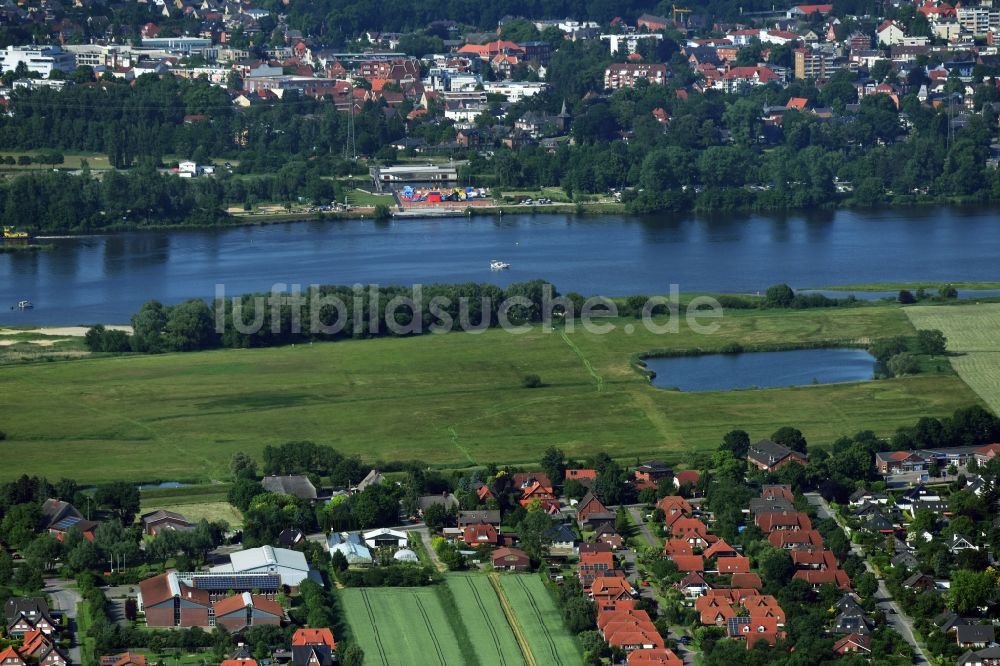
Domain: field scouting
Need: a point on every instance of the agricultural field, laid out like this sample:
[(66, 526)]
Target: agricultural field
[(540, 620), (484, 619), (448, 400), (404, 625), (972, 332)]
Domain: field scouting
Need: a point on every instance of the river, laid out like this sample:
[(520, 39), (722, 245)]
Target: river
[(106, 278)]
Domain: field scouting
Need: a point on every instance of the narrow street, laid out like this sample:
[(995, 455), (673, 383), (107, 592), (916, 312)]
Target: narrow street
[(636, 513), (65, 599), (893, 613)]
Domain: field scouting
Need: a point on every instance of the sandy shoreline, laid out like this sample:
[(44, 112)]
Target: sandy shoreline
[(70, 331)]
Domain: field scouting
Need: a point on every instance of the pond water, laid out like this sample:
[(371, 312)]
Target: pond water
[(723, 372), (165, 484)]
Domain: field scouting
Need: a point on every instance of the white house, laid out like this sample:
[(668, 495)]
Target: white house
[(890, 34)]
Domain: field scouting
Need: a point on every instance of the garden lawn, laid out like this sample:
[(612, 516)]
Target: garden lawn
[(454, 399), (972, 332), (540, 620), (402, 625), (484, 619)]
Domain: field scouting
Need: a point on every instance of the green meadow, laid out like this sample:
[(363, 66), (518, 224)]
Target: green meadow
[(973, 341), (454, 399)]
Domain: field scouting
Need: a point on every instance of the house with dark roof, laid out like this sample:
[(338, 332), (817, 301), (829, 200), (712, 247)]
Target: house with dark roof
[(988, 657), (294, 485), (466, 518), (61, 517), (156, 521), (510, 559), (769, 456), (25, 614), (919, 581), (975, 636)]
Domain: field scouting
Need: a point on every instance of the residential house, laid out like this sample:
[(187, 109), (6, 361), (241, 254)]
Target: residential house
[(767, 455), (733, 565), (974, 636), (853, 644), (290, 537), (466, 518), (626, 75), (960, 542), (889, 34), (373, 478), (817, 578), (688, 478), (294, 485), (123, 659), (654, 657), (510, 559), (593, 565), (693, 585), (919, 581), (61, 517), (988, 657), (11, 657), (793, 540), (689, 563), (584, 476), (481, 534), (749, 581), (155, 522), (448, 500), (652, 471), (589, 506), (23, 615)]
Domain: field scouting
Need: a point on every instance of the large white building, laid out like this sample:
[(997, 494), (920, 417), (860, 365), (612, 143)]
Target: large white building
[(514, 91), (291, 565), (38, 59)]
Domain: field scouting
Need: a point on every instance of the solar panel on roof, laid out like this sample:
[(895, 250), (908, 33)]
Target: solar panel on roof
[(67, 523), (237, 582)]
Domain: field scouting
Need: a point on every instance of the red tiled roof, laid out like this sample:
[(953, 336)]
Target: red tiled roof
[(733, 565), (322, 636), (654, 657), (689, 562), (750, 580)]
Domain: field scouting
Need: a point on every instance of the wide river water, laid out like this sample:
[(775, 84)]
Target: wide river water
[(106, 278)]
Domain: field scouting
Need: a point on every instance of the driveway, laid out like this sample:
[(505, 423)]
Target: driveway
[(893, 613), (64, 599)]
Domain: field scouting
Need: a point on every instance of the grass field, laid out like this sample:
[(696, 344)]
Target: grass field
[(972, 333), (359, 197), (484, 619), (540, 620), (71, 161), (445, 399), (405, 625)]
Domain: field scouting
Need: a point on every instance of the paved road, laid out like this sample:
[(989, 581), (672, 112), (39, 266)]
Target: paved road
[(647, 534), (64, 599), (893, 613)]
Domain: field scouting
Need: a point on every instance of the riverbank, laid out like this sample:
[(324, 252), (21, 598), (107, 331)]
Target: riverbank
[(911, 286), (24, 248)]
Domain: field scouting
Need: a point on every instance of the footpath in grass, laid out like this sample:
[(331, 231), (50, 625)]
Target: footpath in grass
[(972, 336), (540, 620), (402, 626), (490, 633)]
